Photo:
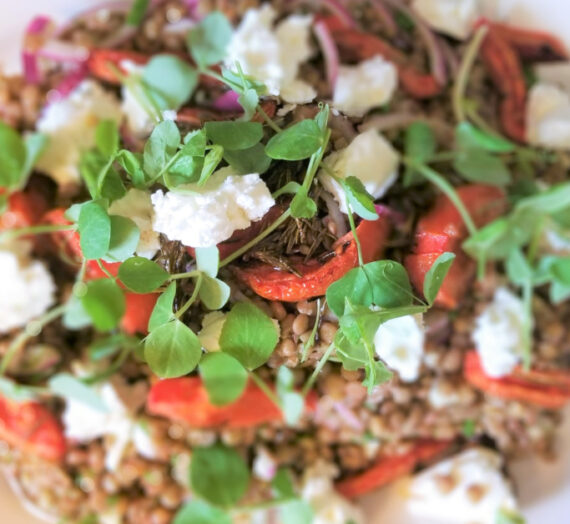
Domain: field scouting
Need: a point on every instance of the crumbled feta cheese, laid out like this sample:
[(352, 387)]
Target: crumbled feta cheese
[(548, 117), (204, 216), (440, 396), (209, 335), (479, 489), (273, 57), (554, 73), (364, 86), (400, 344), (264, 465), (328, 505), (84, 423), (70, 127), (137, 206), (499, 333), (452, 17), (27, 287), (369, 157)]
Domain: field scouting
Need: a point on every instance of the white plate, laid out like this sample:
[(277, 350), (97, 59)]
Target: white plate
[(544, 488)]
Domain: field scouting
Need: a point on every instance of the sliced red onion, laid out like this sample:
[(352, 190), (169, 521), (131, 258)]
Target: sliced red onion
[(192, 6), (59, 51), (340, 11), (68, 84), (330, 52), (348, 416), (228, 102), (387, 19), (35, 35), (182, 26)]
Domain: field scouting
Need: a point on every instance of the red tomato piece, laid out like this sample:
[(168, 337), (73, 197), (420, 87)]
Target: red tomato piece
[(137, 314)]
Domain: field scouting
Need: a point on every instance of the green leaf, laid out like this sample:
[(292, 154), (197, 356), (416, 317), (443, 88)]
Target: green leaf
[(496, 240), (477, 166), (94, 226), (249, 335), (468, 428), (137, 12), (302, 205), (15, 391), (560, 270), (233, 135), (297, 142), (195, 143), (75, 316), (376, 373), (518, 268), (224, 377), (12, 156), (208, 40), (246, 161), (508, 517), (468, 136), (384, 283), (108, 346), (162, 311), (360, 200), (172, 350), (214, 293), (240, 82), (248, 100), (107, 137), (132, 164), (142, 275), (211, 161), (35, 144), (292, 402), (419, 145), (70, 387), (219, 475), (553, 200), (296, 512), (282, 484), (200, 512), (559, 292), (104, 302), (208, 260), (436, 274), (160, 147), (185, 169), (173, 79), (290, 188), (125, 237)]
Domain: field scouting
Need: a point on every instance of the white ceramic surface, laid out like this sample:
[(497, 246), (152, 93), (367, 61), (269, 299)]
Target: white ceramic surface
[(544, 489)]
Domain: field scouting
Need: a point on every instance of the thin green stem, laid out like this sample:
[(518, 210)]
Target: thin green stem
[(35, 230), (238, 253), (189, 274), (261, 384), (115, 366), (534, 245), (354, 234), (311, 340), (268, 119), (192, 298), (319, 367), (527, 324), (464, 71), (445, 187), (105, 270)]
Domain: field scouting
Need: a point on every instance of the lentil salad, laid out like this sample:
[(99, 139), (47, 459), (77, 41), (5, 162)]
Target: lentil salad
[(331, 332)]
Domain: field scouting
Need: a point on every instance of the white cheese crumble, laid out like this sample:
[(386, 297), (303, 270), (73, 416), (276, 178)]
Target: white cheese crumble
[(205, 216), (329, 506), (273, 56), (440, 396), (400, 344), (117, 423), (70, 127), (364, 86), (137, 206), (28, 289), (369, 157), (548, 116), (264, 465), (499, 333), (479, 489), (452, 17)]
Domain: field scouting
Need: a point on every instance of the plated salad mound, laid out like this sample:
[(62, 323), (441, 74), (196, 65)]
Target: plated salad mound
[(260, 259)]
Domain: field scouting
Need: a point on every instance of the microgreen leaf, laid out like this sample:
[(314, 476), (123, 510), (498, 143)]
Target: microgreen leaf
[(207, 41), (468, 136), (12, 156), (162, 311), (160, 147), (75, 316), (142, 275), (14, 391), (518, 269), (553, 200), (436, 274), (478, 166), (94, 226), (232, 135), (172, 350), (508, 517), (296, 511), (224, 377), (195, 143), (109, 346), (297, 142), (214, 293), (251, 160), (302, 205), (241, 82), (104, 302), (137, 12), (292, 402), (132, 164), (282, 484), (200, 512), (376, 373), (219, 474), (70, 387), (35, 144), (173, 79), (125, 237), (248, 100), (249, 335), (359, 199), (290, 188), (419, 145), (208, 260), (211, 161), (107, 137)]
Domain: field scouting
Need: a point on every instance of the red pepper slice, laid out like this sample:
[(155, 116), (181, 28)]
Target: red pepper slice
[(549, 389), (99, 60), (24, 209), (186, 400), (442, 229), (274, 284), (388, 469), (31, 427)]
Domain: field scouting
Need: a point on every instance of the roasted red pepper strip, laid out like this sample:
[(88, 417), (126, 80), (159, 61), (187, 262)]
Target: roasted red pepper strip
[(442, 229), (549, 389), (186, 400), (138, 310), (24, 209), (31, 427), (274, 284), (99, 60), (388, 469)]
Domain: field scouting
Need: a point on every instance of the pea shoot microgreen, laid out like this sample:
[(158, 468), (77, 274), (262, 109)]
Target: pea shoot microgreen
[(137, 12)]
